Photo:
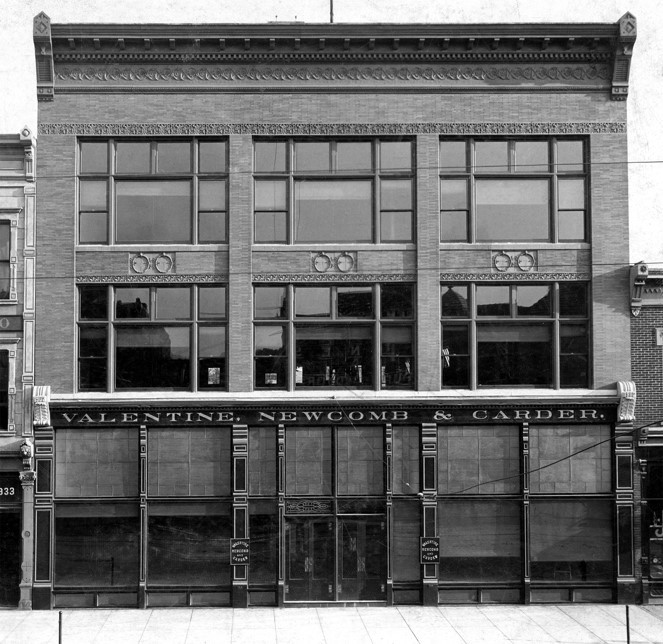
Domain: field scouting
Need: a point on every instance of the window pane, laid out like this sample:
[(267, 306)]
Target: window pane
[(93, 354), (531, 156), (152, 356), (405, 545), (132, 157), (262, 462), (327, 211), (92, 342), (308, 460), (270, 156), (94, 156), (211, 302), (396, 155), (453, 226), (514, 355), (313, 302), (453, 194), (270, 302), (572, 299), (481, 540), (132, 302), (570, 156), (491, 156), (153, 211), (453, 156), (360, 460), (212, 195), (512, 209), (397, 362), (212, 227), (354, 302), (571, 225), (264, 546), (571, 194), (211, 357), (396, 226), (353, 156), (173, 157), (312, 156), (396, 194), (93, 195), (455, 301), (455, 356), (571, 540), (493, 300), (93, 228), (270, 195), (212, 156), (270, 356), (396, 300), (534, 300), (271, 227), (173, 303), (405, 459), (93, 302)]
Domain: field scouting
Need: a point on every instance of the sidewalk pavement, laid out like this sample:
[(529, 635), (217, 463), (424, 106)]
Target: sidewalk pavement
[(567, 624)]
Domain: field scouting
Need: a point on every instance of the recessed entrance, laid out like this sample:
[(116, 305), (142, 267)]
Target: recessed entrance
[(10, 557)]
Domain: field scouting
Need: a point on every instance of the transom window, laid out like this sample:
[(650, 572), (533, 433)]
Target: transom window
[(334, 336), (356, 191), (513, 190), (151, 337), (153, 191), (515, 334)]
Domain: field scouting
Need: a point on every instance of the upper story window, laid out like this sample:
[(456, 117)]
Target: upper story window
[(513, 190), (346, 191), (12, 159), (139, 191), (151, 337)]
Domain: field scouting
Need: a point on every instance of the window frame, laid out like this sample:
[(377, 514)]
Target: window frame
[(292, 177), (113, 178), (10, 345), (554, 175), (9, 218)]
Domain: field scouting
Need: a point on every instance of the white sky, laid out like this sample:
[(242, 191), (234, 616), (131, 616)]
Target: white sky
[(18, 104)]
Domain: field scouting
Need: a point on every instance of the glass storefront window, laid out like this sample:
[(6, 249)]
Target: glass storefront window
[(360, 460), (308, 458)]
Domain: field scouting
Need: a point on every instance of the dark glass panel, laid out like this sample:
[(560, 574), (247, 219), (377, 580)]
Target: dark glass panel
[(396, 226), (453, 226), (264, 548), (4, 390), (571, 225), (491, 156), (270, 302), (534, 300), (481, 541), (173, 303), (354, 302), (455, 301), (574, 338), (396, 194), (313, 302), (396, 156), (453, 156), (571, 540), (92, 342), (512, 210), (571, 194), (262, 461), (406, 450), (211, 357), (133, 157), (493, 300), (271, 227), (333, 211), (624, 471), (5, 280), (572, 299), (405, 546), (396, 301), (270, 356), (453, 194), (308, 461), (454, 338), (340, 356), (455, 356), (93, 302), (93, 228), (153, 211), (212, 195), (312, 156), (43, 545), (132, 302), (570, 156), (360, 460), (270, 156), (173, 157), (514, 355), (93, 195), (397, 363), (211, 302), (44, 475), (354, 156), (212, 156), (212, 227), (152, 356), (94, 157), (97, 550), (574, 370), (532, 156), (625, 540)]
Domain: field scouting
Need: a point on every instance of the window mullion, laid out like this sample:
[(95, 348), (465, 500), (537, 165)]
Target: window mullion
[(193, 332), (110, 341)]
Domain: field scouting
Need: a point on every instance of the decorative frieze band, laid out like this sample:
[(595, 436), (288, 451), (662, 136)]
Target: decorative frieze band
[(142, 279), (334, 277), (330, 129), (513, 277)]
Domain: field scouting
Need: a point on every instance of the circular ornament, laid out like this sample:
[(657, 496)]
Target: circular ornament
[(525, 261), (163, 263), (502, 262), (322, 262), (345, 262), (140, 263)]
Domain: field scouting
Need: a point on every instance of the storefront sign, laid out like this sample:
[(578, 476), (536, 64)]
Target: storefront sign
[(239, 552), (10, 487), (429, 550), (339, 415)]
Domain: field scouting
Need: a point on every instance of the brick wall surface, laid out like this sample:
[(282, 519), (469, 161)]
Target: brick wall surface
[(647, 358)]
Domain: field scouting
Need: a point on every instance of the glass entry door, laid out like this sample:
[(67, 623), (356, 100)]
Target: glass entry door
[(362, 558), (310, 560)]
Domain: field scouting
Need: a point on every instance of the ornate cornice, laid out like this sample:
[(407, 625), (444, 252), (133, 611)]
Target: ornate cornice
[(328, 129), (513, 277), (142, 279), (334, 277)]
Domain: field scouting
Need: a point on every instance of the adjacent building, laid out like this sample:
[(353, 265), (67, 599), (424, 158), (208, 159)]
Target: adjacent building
[(333, 313)]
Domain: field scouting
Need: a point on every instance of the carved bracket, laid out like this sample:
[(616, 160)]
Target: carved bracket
[(627, 398)]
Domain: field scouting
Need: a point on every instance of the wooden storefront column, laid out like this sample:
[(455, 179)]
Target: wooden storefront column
[(42, 590), (429, 507), (280, 472), (240, 573), (142, 473), (389, 477), (525, 543)]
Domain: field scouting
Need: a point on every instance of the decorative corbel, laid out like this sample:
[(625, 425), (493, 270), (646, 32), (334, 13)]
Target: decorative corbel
[(41, 33), (41, 414), (639, 275), (627, 397), (623, 53)]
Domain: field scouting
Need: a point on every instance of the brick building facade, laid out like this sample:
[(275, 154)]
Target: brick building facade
[(336, 315)]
